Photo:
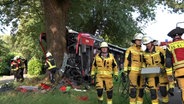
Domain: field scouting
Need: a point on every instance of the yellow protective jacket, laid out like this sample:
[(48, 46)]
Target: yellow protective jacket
[(50, 64), (154, 58), (133, 58), (104, 67), (175, 57)]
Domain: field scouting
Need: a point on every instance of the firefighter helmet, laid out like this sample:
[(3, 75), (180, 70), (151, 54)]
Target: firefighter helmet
[(103, 44), (146, 40), (177, 31), (156, 42), (18, 57), (48, 54), (15, 58), (137, 36)]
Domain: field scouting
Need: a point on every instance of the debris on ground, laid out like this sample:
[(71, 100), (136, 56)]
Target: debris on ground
[(79, 90), (6, 87), (27, 88), (37, 84), (65, 88), (83, 98), (45, 86)]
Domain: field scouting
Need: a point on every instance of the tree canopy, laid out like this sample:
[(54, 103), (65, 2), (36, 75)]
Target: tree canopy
[(26, 22), (3, 47), (111, 19)]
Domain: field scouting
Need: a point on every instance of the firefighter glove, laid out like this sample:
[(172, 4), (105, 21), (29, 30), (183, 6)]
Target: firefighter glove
[(124, 75), (171, 91), (170, 78), (92, 77), (126, 72), (163, 71), (116, 78)]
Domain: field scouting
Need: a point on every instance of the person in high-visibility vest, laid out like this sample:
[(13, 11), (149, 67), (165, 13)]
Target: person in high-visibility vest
[(14, 68), (50, 65), (21, 68), (104, 68), (132, 66), (154, 56), (175, 59), (165, 87)]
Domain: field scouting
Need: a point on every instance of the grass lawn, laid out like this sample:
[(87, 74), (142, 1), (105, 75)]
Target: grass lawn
[(57, 97), (52, 97)]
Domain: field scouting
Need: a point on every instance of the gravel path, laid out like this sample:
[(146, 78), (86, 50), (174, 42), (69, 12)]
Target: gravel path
[(5, 79)]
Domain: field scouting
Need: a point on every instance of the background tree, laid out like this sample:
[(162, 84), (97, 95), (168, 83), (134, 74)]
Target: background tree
[(26, 22), (3, 47), (5, 57), (176, 5), (112, 18), (55, 21)]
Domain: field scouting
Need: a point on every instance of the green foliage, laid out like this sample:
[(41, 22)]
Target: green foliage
[(176, 6), (34, 67), (5, 64), (113, 18), (14, 11), (4, 57), (4, 69), (30, 25), (3, 47)]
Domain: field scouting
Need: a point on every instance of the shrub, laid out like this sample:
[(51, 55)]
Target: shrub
[(34, 67), (4, 68), (5, 64)]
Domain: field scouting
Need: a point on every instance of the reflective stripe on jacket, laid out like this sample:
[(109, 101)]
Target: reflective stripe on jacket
[(20, 63), (154, 58), (51, 64), (177, 50), (14, 66), (104, 67), (133, 58)]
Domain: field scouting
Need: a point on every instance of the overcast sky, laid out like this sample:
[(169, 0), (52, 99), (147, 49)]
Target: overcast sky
[(163, 24)]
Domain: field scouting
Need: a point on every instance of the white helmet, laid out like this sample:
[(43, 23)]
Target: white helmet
[(103, 44), (146, 40), (137, 36), (15, 58), (48, 54), (156, 42), (18, 57)]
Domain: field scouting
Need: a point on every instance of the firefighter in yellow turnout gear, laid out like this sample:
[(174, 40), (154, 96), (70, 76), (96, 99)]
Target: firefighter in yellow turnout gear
[(104, 68), (175, 59), (154, 56), (132, 65), (50, 65)]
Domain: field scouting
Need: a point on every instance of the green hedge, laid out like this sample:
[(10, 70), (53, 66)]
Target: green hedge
[(5, 64), (34, 67)]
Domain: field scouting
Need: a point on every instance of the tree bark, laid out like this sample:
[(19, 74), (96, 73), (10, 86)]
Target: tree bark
[(55, 17)]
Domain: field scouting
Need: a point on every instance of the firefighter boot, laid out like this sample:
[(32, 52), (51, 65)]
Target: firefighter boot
[(109, 101)]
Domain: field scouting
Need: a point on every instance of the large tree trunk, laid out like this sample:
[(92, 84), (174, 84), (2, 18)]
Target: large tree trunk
[(55, 16)]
